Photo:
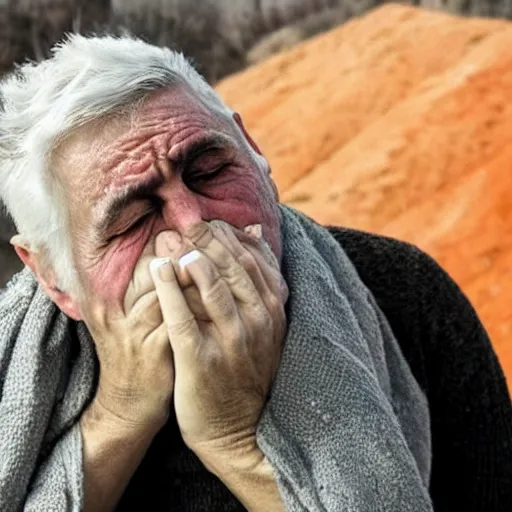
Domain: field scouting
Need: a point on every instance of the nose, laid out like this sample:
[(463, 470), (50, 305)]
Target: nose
[(181, 207)]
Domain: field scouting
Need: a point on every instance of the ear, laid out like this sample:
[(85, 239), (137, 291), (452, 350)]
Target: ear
[(238, 120), (46, 277)]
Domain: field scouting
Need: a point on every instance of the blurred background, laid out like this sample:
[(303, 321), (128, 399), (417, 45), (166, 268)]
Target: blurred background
[(392, 118)]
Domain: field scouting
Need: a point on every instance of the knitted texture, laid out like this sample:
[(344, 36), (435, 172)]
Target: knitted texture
[(452, 359), (46, 380), (346, 426)]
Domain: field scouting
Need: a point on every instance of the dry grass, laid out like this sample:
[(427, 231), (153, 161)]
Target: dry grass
[(215, 34)]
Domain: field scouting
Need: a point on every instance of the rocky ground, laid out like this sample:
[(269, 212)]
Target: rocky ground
[(408, 135)]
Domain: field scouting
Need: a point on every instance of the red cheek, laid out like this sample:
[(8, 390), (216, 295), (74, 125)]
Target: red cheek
[(243, 204), (113, 274), (236, 213), (238, 203)]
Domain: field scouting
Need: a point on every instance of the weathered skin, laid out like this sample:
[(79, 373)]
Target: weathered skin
[(206, 331), (146, 150)]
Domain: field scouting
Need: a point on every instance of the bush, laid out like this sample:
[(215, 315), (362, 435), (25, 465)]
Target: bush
[(220, 36)]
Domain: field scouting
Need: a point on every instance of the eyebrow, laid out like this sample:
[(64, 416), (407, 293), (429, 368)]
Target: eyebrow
[(111, 208), (194, 150)]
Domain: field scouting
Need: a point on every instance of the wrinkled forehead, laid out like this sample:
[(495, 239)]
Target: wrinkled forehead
[(94, 153)]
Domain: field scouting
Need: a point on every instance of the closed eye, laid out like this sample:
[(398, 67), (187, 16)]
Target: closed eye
[(202, 175), (131, 227), (208, 175)]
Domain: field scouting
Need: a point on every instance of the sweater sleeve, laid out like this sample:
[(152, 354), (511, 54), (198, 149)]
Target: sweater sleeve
[(452, 358)]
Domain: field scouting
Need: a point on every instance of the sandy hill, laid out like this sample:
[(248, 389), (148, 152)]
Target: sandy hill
[(400, 122)]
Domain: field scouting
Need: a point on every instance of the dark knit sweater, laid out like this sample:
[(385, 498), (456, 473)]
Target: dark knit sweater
[(451, 357)]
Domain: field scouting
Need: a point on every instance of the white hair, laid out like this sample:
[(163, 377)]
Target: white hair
[(86, 78)]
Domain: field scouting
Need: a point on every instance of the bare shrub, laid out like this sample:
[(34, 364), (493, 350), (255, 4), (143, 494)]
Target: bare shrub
[(220, 36)]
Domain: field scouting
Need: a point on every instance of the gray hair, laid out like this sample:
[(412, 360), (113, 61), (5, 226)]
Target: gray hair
[(86, 78)]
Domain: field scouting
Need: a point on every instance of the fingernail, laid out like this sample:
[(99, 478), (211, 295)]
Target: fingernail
[(255, 230), (189, 258), (160, 268), (173, 241)]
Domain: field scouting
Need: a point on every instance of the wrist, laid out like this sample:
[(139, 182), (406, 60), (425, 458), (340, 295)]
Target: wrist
[(103, 422), (234, 455), (112, 450), (249, 476), (127, 411)]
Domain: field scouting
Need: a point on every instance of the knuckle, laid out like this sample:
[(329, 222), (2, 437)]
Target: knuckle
[(239, 333), (199, 234), (186, 328), (247, 261), (159, 337), (260, 317), (284, 290), (273, 304), (148, 321), (236, 335), (96, 312), (239, 277), (146, 311), (223, 258), (277, 316), (216, 292)]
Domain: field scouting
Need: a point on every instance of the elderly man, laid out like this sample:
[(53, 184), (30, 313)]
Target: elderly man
[(180, 341)]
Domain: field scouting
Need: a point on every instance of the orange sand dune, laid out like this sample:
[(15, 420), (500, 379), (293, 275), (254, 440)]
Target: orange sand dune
[(400, 122)]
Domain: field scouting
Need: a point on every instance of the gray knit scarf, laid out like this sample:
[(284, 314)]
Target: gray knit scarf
[(346, 426)]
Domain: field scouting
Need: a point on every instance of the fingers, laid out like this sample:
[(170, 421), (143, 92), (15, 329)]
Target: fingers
[(228, 239), (265, 306), (172, 244), (240, 283), (145, 313), (140, 284), (254, 256), (259, 261), (223, 273), (272, 275), (195, 302), (216, 296), (181, 324)]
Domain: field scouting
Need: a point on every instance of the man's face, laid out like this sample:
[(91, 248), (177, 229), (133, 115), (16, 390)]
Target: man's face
[(171, 164)]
